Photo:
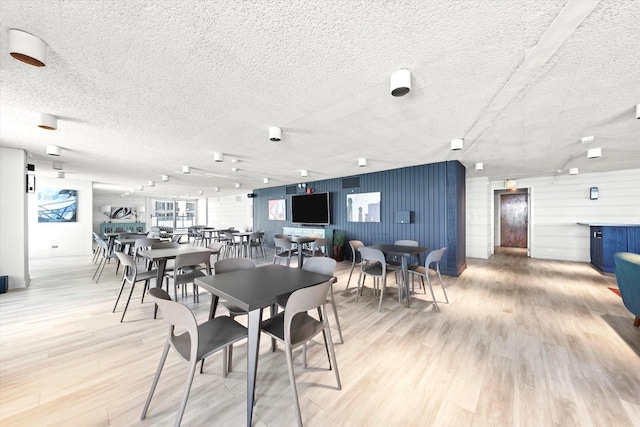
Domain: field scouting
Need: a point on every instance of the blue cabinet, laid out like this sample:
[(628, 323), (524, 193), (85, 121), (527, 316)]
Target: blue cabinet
[(606, 240), (115, 227)]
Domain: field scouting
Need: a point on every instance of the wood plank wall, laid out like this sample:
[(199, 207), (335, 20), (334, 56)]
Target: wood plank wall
[(434, 193)]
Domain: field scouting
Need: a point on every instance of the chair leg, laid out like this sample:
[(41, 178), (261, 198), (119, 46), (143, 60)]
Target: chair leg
[(446, 298), (332, 354), (636, 322), (353, 264), (435, 303), (384, 285), (119, 293), (335, 313), (294, 389), (133, 285), (101, 269), (163, 358), (187, 389)]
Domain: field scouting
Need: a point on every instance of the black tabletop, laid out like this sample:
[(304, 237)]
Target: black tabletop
[(399, 249), (155, 254), (259, 287)]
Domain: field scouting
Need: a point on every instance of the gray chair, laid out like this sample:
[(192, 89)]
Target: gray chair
[(284, 250), (255, 243), (318, 248), (295, 327), (373, 264), (193, 345), (186, 271), (106, 256), (226, 266), (216, 249), (232, 245), (131, 276), (428, 272), (354, 245)]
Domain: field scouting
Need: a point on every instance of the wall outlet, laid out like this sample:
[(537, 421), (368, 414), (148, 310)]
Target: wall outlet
[(54, 247)]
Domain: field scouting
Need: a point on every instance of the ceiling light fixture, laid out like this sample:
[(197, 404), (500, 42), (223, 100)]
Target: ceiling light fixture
[(265, 180), (58, 166), (60, 174), (594, 153), (27, 48), (126, 193), (216, 189), (53, 150), (479, 166), (638, 111), (574, 171), (400, 82), (48, 122), (586, 139), (457, 144), (140, 188), (152, 183), (186, 169), (200, 192), (238, 185), (304, 173), (218, 157), (234, 169), (165, 178), (275, 133), (362, 162)]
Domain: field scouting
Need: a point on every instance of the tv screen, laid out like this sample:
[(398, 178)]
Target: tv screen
[(311, 208)]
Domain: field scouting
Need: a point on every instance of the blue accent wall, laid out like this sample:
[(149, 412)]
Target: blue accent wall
[(433, 193)]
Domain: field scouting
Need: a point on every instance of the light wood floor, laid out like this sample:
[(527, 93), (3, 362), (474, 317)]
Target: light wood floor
[(522, 343)]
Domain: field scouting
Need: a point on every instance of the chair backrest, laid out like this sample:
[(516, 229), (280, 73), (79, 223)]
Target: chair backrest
[(229, 236), (143, 243), (176, 314), (434, 256), (628, 278), (195, 258), (176, 238), (406, 243), (302, 301), (322, 265), (129, 267), (95, 235), (320, 243), (164, 245), (282, 243), (105, 248), (375, 255), (215, 247), (233, 264), (281, 236), (355, 245), (255, 237)]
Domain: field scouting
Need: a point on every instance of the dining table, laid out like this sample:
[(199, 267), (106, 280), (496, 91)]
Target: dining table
[(301, 240), (253, 290), (160, 256), (404, 252)]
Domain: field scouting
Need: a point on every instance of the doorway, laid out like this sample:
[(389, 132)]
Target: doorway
[(512, 211)]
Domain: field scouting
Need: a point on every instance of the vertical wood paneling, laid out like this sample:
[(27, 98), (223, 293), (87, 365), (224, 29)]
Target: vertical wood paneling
[(434, 193)]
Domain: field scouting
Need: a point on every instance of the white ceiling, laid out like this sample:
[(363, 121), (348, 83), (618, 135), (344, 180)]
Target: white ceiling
[(144, 87)]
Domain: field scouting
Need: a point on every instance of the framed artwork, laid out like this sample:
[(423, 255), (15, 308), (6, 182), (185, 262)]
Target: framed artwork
[(57, 205), (121, 213), (277, 210), (363, 207)]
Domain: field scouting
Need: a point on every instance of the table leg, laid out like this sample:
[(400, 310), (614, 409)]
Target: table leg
[(300, 256), (405, 279), (253, 347), (162, 264)]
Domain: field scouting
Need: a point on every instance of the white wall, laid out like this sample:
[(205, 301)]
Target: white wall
[(230, 211), (14, 244), (478, 208), (557, 205), (71, 238)]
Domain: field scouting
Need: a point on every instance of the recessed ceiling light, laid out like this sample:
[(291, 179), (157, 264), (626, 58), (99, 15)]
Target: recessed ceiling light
[(479, 166), (457, 144), (200, 192), (574, 171), (238, 185), (218, 157), (165, 177), (362, 162), (265, 180), (186, 169), (27, 48), (140, 188), (152, 183), (304, 173), (216, 189), (235, 169)]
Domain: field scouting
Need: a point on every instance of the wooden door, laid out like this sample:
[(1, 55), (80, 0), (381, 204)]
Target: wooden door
[(514, 220)]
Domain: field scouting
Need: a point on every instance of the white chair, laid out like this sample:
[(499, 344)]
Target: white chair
[(193, 345), (318, 248), (186, 271), (295, 327), (284, 250), (427, 272)]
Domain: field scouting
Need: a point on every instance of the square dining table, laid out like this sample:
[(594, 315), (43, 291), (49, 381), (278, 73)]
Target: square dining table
[(301, 240), (404, 252), (253, 290), (162, 255)]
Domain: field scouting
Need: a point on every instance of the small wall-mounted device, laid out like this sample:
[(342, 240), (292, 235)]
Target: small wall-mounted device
[(251, 195), (593, 193), (31, 183)]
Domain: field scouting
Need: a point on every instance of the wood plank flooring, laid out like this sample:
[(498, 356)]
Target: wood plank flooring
[(522, 343)]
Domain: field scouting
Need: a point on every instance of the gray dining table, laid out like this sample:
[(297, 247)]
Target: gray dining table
[(404, 252), (253, 290)]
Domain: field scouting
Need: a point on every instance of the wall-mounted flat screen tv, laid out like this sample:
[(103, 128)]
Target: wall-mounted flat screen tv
[(313, 208)]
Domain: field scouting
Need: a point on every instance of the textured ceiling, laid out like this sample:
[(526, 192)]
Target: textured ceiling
[(144, 87)]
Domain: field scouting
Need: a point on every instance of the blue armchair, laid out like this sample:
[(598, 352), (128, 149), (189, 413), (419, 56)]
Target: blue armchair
[(628, 276)]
